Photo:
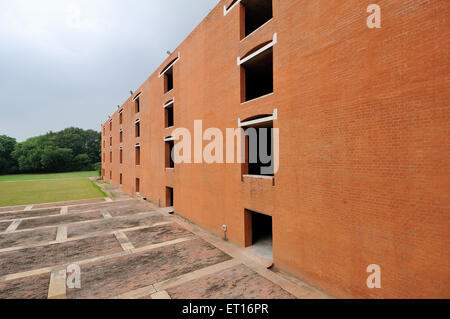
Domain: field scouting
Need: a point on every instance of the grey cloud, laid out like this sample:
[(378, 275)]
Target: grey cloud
[(61, 68)]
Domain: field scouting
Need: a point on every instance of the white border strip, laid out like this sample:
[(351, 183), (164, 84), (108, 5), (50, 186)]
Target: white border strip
[(169, 139), (264, 48), (170, 65), (226, 11), (137, 121), (259, 121), (169, 103), (137, 96), (258, 176)]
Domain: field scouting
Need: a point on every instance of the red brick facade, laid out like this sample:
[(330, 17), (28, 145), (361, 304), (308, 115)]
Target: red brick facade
[(363, 116)]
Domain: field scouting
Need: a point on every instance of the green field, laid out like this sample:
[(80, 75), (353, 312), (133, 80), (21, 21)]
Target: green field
[(29, 177), (48, 188)]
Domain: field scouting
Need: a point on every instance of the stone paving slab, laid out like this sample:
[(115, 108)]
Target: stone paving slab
[(30, 213), (4, 226), (239, 282), (69, 203), (130, 210), (114, 277), (44, 256), (97, 206), (114, 224), (27, 237), (59, 220), (156, 235), (126, 249), (33, 287), (12, 209)]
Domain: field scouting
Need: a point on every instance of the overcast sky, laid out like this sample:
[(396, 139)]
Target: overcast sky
[(71, 62)]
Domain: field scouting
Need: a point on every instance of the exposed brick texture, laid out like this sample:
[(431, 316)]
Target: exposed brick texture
[(364, 152)]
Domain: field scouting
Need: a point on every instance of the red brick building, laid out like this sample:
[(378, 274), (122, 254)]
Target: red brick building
[(363, 119)]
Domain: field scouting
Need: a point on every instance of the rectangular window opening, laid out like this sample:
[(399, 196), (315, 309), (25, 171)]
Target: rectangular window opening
[(121, 156), (257, 12), (138, 129), (259, 150), (168, 80), (138, 155), (110, 156), (110, 175), (121, 179), (120, 118), (137, 105), (169, 116), (169, 159), (257, 76), (121, 136)]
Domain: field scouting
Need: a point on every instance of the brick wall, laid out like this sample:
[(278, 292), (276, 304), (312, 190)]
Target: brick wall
[(363, 119)]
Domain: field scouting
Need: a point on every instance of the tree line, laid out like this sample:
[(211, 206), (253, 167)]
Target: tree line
[(72, 149)]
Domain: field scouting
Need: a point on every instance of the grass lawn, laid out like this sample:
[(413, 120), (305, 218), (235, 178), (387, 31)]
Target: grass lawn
[(47, 191), (28, 177)]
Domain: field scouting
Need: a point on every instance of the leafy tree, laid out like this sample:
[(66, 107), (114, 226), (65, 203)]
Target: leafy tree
[(68, 150), (54, 159), (7, 163), (82, 162), (79, 141), (28, 154)]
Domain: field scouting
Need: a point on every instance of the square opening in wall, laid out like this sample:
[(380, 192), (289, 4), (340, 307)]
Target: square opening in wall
[(259, 150), (169, 120), (259, 233), (138, 185), (137, 129), (168, 157), (169, 196), (258, 76), (138, 155), (168, 80), (257, 12), (137, 105)]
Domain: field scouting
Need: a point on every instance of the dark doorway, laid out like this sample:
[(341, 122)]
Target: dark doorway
[(138, 185), (169, 196), (258, 233)]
